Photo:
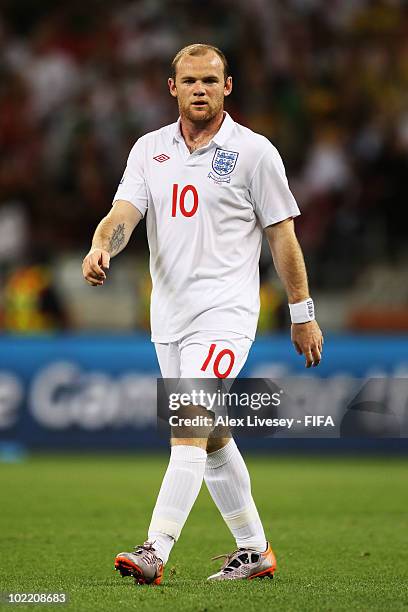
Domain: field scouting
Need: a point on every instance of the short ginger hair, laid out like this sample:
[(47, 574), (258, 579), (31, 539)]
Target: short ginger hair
[(199, 49)]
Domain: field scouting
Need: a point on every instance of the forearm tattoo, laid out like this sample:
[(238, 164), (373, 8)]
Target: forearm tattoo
[(117, 240)]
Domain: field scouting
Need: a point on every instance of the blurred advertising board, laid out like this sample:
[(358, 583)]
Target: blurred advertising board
[(99, 392)]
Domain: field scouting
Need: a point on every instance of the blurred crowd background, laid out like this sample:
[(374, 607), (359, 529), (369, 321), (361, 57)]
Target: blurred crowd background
[(325, 80)]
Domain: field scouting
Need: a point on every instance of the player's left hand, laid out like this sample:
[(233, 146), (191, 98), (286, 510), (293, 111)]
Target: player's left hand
[(307, 339)]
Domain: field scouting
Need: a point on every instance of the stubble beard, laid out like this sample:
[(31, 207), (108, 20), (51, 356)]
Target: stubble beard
[(199, 117)]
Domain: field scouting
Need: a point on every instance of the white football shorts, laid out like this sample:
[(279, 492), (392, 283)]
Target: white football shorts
[(205, 354)]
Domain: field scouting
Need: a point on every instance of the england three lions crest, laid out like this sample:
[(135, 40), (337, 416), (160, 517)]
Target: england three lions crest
[(223, 164)]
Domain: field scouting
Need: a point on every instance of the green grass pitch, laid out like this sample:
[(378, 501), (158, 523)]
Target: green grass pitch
[(339, 528)]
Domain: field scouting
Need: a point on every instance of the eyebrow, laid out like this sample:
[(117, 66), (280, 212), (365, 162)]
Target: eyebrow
[(207, 76)]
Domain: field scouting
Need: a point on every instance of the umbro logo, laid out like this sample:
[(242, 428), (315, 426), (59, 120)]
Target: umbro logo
[(161, 158)]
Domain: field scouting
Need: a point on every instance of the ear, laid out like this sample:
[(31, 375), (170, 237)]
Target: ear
[(228, 86), (172, 87)]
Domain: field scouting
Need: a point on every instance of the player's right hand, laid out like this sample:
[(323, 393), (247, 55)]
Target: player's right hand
[(94, 266)]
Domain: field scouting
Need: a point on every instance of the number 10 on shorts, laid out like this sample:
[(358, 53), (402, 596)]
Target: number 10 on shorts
[(218, 357)]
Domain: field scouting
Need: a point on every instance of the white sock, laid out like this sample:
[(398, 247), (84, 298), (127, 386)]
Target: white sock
[(228, 482), (180, 487)]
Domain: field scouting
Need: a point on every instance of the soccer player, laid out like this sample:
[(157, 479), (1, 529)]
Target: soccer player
[(209, 187)]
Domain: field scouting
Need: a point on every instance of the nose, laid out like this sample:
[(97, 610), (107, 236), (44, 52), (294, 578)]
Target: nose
[(198, 89)]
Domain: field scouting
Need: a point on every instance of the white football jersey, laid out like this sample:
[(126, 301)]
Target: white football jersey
[(205, 212)]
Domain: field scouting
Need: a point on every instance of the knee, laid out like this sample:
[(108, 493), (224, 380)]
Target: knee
[(199, 442), (216, 443), (192, 423)]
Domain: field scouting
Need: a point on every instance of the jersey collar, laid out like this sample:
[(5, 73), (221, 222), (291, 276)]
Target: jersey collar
[(219, 138)]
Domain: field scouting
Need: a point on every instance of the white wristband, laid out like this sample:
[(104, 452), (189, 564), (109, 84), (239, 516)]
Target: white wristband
[(302, 312)]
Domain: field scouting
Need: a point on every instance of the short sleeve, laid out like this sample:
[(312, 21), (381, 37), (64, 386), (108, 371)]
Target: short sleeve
[(269, 190), (132, 186)]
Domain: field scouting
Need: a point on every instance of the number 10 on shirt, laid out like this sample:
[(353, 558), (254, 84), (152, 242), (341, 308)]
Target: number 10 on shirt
[(179, 201)]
